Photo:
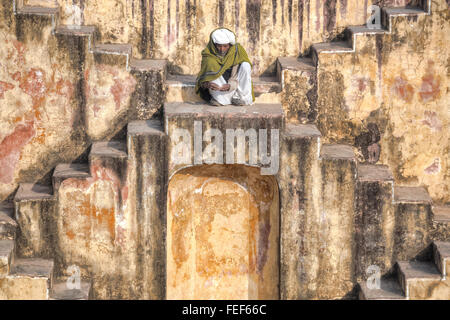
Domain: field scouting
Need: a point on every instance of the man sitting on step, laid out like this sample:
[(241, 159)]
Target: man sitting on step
[(225, 75)]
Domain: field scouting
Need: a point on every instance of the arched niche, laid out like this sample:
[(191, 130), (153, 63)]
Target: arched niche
[(222, 234)]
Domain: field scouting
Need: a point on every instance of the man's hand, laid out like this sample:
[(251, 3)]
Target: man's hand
[(213, 86)]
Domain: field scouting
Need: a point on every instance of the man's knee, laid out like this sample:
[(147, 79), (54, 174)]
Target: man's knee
[(246, 67)]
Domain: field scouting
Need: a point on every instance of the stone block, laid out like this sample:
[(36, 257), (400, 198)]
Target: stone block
[(374, 220), (299, 179), (34, 211)]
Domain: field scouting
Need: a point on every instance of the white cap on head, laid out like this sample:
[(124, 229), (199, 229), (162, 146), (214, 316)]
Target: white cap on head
[(223, 36)]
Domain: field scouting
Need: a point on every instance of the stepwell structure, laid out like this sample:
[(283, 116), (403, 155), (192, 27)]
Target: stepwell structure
[(114, 172)]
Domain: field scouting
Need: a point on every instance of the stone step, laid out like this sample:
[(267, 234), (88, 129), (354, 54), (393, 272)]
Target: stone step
[(441, 214), (399, 11), (80, 31), (60, 291), (374, 216), (441, 257), (109, 155), (181, 88), (145, 127), (296, 66), (417, 195), (114, 48), (441, 223), (65, 171), (37, 10), (299, 178), (34, 205), (373, 173), (300, 131), (336, 214), (413, 221), (6, 256), (29, 279), (117, 54), (33, 191), (391, 13), (337, 152), (329, 47), (143, 65), (108, 149), (352, 32), (203, 111), (411, 272), (389, 290), (8, 225)]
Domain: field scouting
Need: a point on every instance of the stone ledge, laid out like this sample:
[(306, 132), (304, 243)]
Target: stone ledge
[(404, 11), (337, 152), (301, 131), (36, 10), (145, 127), (441, 214), (363, 30), (33, 267), (71, 170), (60, 291), (30, 191), (114, 48), (181, 109), (260, 84), (7, 208), (6, 255), (373, 173), (418, 270), (411, 195), (8, 226), (148, 65), (114, 149), (443, 248), (82, 31), (296, 64), (389, 290), (332, 47)]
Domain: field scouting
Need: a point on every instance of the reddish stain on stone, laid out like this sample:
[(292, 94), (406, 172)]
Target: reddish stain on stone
[(124, 194), (122, 89), (11, 147), (431, 120), (16, 76), (362, 83), (403, 89), (70, 234), (20, 48), (99, 218), (65, 88), (33, 84), (429, 89), (434, 168), (5, 86)]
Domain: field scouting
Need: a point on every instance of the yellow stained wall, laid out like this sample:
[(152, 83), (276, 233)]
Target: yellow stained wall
[(178, 30), (222, 234)]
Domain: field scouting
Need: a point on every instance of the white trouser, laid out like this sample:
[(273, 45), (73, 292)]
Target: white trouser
[(243, 90)]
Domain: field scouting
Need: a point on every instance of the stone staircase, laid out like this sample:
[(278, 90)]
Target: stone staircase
[(414, 280), (29, 278)]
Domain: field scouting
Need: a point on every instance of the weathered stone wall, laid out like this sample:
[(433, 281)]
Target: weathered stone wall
[(178, 30), (400, 82), (57, 97)]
